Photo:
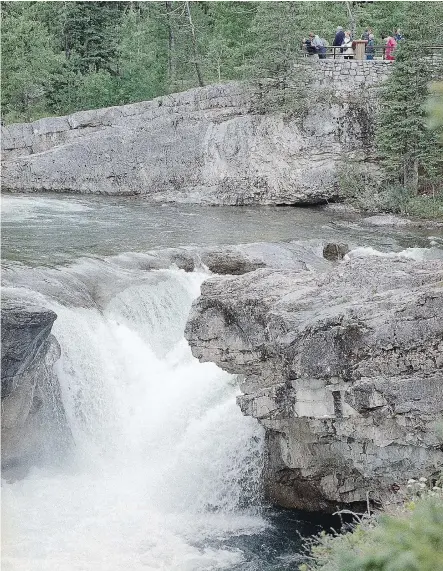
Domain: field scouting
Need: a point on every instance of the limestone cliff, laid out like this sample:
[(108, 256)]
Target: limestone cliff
[(343, 368), (207, 145)]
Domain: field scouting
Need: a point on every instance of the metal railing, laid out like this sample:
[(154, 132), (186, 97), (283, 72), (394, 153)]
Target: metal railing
[(378, 53)]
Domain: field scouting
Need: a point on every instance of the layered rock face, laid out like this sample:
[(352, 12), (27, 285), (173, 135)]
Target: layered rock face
[(33, 423), (343, 368), (207, 145)]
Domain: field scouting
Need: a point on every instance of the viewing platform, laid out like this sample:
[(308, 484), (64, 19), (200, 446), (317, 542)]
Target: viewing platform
[(359, 47)]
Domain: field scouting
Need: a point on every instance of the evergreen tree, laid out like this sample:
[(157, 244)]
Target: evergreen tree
[(409, 149), (29, 59), (88, 31)]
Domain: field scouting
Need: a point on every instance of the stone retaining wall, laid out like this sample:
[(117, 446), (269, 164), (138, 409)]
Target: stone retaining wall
[(366, 74)]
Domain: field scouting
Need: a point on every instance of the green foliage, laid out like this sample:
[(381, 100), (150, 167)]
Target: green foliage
[(142, 55), (228, 45), (87, 30), (409, 541), (60, 57), (28, 62), (273, 45), (425, 206), (410, 150)]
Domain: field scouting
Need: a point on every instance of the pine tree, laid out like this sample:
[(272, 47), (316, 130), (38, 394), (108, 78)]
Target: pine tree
[(29, 58), (409, 149), (88, 30)]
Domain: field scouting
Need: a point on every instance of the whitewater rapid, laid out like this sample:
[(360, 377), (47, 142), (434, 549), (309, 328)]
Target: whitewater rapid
[(162, 471), (163, 468)]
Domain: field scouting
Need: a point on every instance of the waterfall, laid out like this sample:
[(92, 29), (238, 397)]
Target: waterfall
[(164, 467)]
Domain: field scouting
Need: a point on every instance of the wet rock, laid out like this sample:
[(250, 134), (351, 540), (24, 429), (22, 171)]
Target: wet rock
[(334, 252), (33, 422), (343, 368), (233, 262), (184, 261)]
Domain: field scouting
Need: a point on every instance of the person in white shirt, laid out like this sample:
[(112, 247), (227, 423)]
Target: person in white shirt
[(348, 52)]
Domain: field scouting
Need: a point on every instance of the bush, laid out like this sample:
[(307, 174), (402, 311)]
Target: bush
[(411, 540)]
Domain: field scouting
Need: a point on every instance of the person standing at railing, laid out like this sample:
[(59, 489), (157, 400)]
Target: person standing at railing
[(390, 44), (398, 35), (339, 37), (366, 34), (309, 48), (348, 52), (319, 44), (370, 47)]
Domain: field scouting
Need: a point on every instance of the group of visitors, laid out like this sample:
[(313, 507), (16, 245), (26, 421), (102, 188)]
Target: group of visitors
[(343, 40), (315, 45)]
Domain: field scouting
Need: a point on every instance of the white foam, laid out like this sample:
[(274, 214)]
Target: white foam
[(411, 253), (164, 460), (21, 208)]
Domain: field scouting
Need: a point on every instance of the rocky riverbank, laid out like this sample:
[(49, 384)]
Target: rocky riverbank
[(343, 368), (213, 145)]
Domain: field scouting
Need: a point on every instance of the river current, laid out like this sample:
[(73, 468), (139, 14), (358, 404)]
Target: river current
[(164, 471)]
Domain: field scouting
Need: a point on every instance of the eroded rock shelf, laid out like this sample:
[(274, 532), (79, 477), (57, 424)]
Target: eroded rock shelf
[(206, 145), (343, 368)]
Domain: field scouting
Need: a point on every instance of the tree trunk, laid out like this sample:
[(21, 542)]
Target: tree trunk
[(171, 42), (352, 22), (414, 177), (194, 46), (410, 175)]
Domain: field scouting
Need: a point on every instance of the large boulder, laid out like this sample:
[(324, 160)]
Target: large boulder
[(33, 422), (343, 368)]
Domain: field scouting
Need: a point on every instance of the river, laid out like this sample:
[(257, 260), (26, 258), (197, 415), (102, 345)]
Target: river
[(164, 471)]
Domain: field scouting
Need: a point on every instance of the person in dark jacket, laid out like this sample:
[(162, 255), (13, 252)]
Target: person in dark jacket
[(398, 35), (370, 47), (339, 37), (366, 34)]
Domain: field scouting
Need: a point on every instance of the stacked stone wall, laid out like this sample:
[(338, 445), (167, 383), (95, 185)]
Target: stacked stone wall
[(351, 73)]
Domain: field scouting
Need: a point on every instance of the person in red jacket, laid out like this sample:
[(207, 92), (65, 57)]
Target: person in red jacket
[(390, 44)]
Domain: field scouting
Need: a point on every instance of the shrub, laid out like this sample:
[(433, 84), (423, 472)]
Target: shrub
[(411, 540)]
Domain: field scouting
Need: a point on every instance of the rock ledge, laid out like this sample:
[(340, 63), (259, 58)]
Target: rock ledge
[(343, 368)]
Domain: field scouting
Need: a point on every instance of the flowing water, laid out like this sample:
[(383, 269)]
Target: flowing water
[(163, 472)]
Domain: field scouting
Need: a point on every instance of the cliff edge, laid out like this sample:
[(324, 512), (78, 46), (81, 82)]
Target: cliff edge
[(214, 145), (343, 368)]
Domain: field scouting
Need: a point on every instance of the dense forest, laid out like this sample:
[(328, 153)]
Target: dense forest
[(61, 57)]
